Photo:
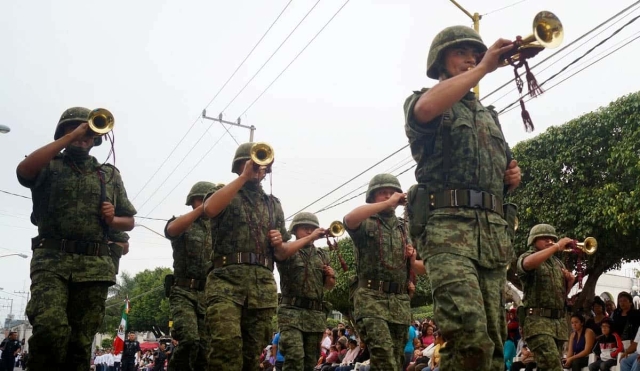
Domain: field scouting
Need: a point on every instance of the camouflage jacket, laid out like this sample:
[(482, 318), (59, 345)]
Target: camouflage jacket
[(192, 250), (544, 287), (66, 205), (302, 276), (243, 226), (379, 255), (478, 161)]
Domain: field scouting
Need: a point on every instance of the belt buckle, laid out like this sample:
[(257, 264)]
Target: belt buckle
[(494, 203), (475, 199), (531, 311), (192, 283), (381, 286), (63, 245), (239, 258), (453, 197)]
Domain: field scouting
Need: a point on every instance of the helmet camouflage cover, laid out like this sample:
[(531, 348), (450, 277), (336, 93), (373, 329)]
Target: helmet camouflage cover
[(200, 189), (77, 115), (382, 181), (304, 218), (242, 153), (541, 230), (449, 37)]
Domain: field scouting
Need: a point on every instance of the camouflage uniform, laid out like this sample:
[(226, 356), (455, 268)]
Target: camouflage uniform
[(241, 298), (72, 266), (191, 254), (380, 300), (301, 315), (461, 233), (544, 288)]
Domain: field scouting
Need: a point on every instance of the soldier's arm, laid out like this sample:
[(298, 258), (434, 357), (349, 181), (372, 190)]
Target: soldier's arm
[(534, 260), (29, 168), (284, 250), (179, 225), (361, 213), (220, 199)]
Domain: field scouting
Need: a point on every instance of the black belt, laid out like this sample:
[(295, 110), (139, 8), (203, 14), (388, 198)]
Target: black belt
[(189, 283), (243, 258), (383, 286), (72, 247), (303, 303), (546, 312), (466, 198)]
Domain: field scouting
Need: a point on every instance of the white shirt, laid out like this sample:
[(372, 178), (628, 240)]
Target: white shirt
[(637, 341)]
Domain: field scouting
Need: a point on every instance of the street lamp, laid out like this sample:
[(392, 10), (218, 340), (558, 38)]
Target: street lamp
[(4, 129), (20, 255), (147, 228)]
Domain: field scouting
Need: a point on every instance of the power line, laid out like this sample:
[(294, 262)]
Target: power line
[(272, 55), (211, 101), (582, 69), (294, 59), (150, 291), (348, 181), (15, 194), (566, 46), (577, 59), (503, 8)]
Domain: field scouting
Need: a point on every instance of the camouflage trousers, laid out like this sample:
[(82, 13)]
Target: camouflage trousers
[(547, 350), (385, 341), (187, 312), (300, 350), (65, 317), (469, 311), (238, 335)]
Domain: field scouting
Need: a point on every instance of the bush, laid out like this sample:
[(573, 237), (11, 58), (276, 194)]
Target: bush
[(106, 343)]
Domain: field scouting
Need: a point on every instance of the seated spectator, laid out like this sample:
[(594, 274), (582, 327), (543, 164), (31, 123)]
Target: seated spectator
[(434, 361), (607, 348), (510, 347), (599, 313), (524, 354), (580, 344)]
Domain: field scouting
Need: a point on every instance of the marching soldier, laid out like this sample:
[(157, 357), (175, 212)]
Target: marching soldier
[(545, 283), (381, 300), (302, 316), (190, 236), (248, 231), (456, 209), (78, 205)]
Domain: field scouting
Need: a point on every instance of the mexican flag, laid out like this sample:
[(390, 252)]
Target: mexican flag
[(118, 342)]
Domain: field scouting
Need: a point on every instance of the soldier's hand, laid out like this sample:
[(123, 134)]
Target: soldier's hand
[(328, 271), (250, 171), (80, 132), (491, 58), (108, 212), (562, 244), (275, 238), (568, 276), (397, 199), (512, 175), (410, 253), (411, 289), (318, 233)]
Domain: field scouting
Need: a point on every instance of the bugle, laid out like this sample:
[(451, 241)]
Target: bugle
[(589, 246), (336, 229), (100, 121), (262, 154), (548, 33)]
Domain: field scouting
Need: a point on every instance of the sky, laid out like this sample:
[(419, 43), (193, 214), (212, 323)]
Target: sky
[(335, 111)]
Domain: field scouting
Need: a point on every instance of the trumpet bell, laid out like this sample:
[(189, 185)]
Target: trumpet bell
[(548, 33), (262, 154), (101, 121), (336, 229), (589, 246)]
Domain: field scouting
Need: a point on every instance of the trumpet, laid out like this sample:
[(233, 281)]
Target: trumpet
[(589, 246), (100, 121), (547, 33), (262, 154), (336, 229)]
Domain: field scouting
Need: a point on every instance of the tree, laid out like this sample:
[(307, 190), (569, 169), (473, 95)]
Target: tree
[(148, 305), (106, 343), (339, 296), (582, 178)]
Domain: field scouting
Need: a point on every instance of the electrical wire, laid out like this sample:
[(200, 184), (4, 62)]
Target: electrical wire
[(503, 8)]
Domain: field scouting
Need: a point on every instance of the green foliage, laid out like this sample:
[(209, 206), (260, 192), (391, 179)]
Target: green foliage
[(332, 323), (421, 313), (582, 178), (148, 304), (106, 343), (339, 296)]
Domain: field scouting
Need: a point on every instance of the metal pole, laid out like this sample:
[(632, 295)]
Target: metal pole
[(237, 123), (476, 26)]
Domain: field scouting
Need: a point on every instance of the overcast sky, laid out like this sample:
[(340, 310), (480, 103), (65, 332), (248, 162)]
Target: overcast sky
[(334, 112)]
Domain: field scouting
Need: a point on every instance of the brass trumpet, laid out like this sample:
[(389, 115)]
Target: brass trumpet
[(547, 33), (589, 246), (262, 154), (101, 121), (336, 229)]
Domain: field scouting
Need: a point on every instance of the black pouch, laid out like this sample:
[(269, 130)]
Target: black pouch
[(115, 251), (168, 284), (417, 209), (511, 216)]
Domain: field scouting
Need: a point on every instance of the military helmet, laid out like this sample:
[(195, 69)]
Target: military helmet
[(74, 114), (446, 38), (304, 218), (199, 189), (541, 230), (382, 181), (242, 153)]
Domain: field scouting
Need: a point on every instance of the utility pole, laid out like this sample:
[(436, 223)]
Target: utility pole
[(28, 296), (475, 17), (221, 121), (11, 306)]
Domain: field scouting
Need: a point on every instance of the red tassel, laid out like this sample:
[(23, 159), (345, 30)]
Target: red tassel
[(519, 82), (534, 88), (526, 118)]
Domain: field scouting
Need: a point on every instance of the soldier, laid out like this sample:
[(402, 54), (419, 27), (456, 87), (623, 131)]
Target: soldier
[(248, 233), (190, 237), (456, 209), (545, 284), (78, 205), (380, 301), (302, 316), (131, 349)]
